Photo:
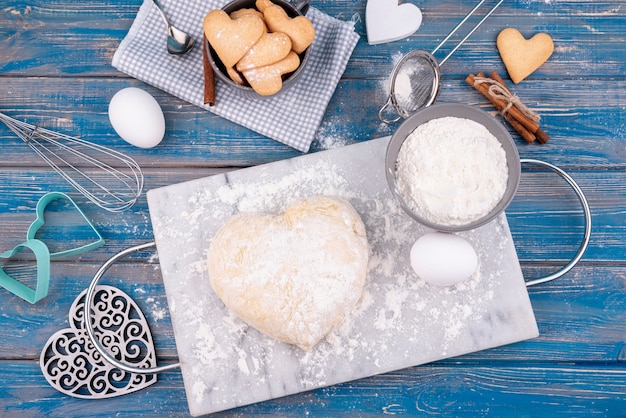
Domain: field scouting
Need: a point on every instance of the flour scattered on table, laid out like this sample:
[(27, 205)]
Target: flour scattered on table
[(328, 134), (158, 312)]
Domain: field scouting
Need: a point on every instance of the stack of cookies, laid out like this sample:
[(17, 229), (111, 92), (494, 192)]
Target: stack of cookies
[(258, 46)]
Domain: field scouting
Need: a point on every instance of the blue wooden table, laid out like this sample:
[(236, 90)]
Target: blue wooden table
[(55, 71)]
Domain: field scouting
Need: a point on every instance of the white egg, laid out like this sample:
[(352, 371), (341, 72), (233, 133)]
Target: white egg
[(443, 259), (137, 117)]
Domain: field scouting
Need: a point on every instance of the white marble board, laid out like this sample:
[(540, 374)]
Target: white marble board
[(400, 321)]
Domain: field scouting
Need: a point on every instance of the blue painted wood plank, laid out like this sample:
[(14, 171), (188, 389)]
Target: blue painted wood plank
[(544, 202), (498, 390), (584, 132), (587, 35)]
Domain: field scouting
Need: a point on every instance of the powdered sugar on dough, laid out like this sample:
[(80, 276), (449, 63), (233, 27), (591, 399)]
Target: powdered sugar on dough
[(293, 276)]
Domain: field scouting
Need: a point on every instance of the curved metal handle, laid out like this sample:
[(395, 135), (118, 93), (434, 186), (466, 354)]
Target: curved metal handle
[(87, 315), (383, 109), (587, 212)]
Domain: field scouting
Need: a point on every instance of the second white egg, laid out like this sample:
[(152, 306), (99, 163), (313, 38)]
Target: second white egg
[(443, 259)]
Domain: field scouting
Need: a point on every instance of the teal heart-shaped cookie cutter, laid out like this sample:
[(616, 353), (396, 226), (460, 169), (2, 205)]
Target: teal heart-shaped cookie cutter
[(42, 252), (39, 222), (42, 255)]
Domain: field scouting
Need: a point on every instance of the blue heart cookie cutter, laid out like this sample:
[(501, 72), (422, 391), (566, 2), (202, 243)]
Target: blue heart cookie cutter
[(42, 252), (39, 222), (18, 288)]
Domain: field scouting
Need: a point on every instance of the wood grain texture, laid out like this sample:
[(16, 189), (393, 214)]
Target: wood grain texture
[(497, 390), (55, 71)]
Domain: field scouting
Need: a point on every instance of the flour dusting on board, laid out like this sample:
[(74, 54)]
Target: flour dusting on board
[(400, 321)]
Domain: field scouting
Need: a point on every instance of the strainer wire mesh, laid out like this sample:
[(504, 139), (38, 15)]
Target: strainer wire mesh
[(416, 78)]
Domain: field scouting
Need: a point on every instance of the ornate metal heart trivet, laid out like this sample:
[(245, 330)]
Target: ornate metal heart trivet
[(72, 365)]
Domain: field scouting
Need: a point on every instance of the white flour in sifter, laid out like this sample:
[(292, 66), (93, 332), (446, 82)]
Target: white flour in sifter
[(451, 171)]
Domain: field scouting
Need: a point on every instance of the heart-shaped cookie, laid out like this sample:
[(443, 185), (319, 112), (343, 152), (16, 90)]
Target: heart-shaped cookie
[(271, 48), (388, 21), (71, 364), (299, 29), (263, 4), (293, 276), (268, 80), (232, 38), (242, 12), (521, 56), (19, 288)]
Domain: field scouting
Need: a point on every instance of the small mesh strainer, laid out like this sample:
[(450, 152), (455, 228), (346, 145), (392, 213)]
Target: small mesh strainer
[(416, 78)]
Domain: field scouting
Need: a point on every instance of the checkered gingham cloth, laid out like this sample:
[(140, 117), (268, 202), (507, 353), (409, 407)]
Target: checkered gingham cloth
[(291, 117)]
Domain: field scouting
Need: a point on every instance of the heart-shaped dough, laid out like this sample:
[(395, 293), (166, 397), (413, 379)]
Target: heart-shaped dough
[(293, 276), (232, 38), (387, 21), (271, 48), (299, 29), (521, 56), (268, 80), (71, 364)]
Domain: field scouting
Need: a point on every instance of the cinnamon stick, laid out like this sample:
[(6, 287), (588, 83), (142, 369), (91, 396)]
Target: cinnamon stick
[(515, 113), (527, 135), (209, 77), (495, 76), (541, 135)]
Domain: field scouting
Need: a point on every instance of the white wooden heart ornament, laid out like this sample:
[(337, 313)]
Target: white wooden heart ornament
[(388, 21), (71, 364)]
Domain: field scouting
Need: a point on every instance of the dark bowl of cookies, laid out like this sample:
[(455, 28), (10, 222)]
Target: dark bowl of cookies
[(259, 48)]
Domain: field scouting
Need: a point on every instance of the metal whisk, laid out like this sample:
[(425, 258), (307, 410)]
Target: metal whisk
[(108, 178)]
